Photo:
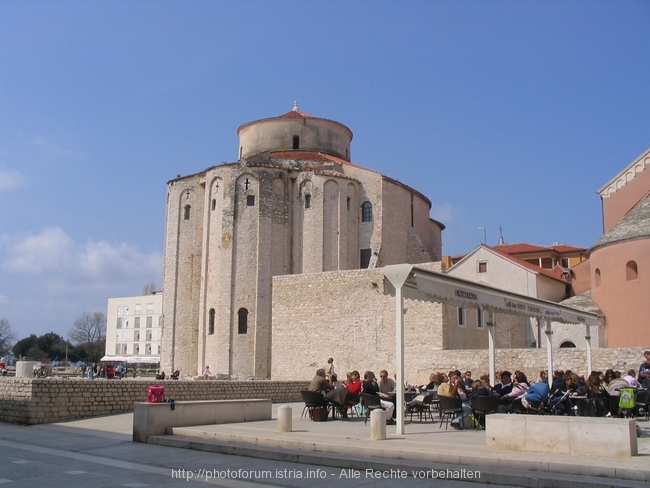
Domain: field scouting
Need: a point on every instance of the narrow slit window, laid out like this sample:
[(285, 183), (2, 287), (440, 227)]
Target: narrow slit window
[(461, 316), (308, 201), (211, 322), (242, 321), (214, 204), (250, 201), (187, 212)]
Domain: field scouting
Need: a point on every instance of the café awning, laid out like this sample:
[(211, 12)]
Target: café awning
[(131, 359), (423, 284)]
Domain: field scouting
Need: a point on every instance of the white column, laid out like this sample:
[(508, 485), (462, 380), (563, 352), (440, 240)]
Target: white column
[(588, 340), (397, 275), (549, 351), (491, 361), (399, 359)]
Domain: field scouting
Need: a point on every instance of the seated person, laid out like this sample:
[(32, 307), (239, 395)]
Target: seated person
[(467, 380), (597, 403), (519, 390), (504, 386), (479, 389), (346, 394), (370, 387), (560, 398), (631, 379), (387, 385), (320, 383), (434, 381), (454, 389)]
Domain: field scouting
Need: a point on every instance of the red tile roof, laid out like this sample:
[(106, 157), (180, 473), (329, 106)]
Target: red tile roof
[(315, 156), (525, 247), (295, 113)]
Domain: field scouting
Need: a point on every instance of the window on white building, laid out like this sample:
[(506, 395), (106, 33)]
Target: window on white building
[(461, 316)]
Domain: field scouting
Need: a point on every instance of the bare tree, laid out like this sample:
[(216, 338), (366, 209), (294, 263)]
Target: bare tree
[(90, 329), (7, 337), (149, 288)]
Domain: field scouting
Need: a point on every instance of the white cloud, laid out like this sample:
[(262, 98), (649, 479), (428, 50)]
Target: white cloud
[(51, 250), (10, 178), (49, 279), (60, 264)]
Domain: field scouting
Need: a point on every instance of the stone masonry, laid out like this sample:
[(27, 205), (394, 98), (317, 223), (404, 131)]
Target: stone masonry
[(46, 400)]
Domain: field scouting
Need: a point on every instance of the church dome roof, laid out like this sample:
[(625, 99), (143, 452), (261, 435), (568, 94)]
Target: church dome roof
[(294, 130), (635, 225)]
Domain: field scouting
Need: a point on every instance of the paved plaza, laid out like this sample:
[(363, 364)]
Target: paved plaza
[(99, 452)]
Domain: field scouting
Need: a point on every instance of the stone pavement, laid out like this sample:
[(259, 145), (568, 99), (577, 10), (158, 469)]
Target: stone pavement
[(424, 446), (424, 449)]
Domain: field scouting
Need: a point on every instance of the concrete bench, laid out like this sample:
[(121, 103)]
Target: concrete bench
[(155, 418), (578, 436)]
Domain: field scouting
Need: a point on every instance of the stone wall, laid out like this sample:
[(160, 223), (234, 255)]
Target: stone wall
[(46, 400), (530, 361)]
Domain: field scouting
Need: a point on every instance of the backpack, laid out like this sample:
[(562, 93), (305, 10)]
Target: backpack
[(627, 398)]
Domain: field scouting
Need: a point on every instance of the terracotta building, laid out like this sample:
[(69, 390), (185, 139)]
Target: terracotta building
[(619, 262), (293, 203)]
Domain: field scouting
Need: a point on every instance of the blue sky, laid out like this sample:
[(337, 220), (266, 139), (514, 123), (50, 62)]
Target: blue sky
[(504, 113)]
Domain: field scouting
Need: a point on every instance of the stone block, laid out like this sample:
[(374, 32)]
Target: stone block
[(576, 436)]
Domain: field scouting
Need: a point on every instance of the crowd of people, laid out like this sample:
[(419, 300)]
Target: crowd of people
[(345, 393), (569, 392)]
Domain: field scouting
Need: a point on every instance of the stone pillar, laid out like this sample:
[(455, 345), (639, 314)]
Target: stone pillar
[(25, 369), (378, 425), (284, 419)]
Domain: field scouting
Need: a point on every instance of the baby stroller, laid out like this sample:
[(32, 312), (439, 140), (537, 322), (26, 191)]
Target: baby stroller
[(558, 403), (175, 375)]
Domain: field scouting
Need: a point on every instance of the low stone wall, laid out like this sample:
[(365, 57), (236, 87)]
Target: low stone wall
[(573, 436), (156, 418), (47, 400), (530, 361)]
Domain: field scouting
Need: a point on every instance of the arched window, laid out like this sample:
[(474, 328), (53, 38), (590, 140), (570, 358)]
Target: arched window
[(296, 142), (366, 212), (567, 344), (211, 322), (214, 204), (597, 277), (187, 211), (308, 201), (242, 321), (631, 271)]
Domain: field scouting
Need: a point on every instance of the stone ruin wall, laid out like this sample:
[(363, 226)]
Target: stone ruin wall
[(46, 400)]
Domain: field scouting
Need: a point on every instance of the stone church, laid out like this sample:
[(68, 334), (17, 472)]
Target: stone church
[(292, 204)]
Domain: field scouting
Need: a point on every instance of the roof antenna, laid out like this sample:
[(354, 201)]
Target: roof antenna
[(501, 241)]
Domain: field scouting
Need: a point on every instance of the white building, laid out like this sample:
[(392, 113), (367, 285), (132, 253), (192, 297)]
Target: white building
[(134, 328), (493, 267)]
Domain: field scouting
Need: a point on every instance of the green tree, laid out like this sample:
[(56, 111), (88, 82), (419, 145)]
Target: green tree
[(50, 346)]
